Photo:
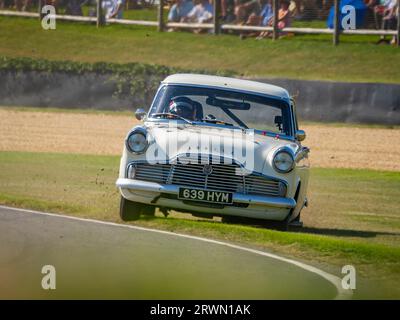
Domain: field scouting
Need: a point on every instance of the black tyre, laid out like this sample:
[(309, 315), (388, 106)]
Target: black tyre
[(282, 225), (285, 224), (129, 210), (296, 223), (149, 211), (233, 220)]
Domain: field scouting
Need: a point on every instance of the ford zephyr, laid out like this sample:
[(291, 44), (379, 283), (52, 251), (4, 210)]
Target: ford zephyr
[(216, 146)]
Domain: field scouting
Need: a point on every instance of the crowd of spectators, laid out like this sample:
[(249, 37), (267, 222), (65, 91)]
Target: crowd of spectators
[(243, 12), (188, 11), (379, 14)]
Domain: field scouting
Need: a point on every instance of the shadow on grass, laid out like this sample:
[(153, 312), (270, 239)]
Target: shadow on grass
[(344, 232), (271, 225)]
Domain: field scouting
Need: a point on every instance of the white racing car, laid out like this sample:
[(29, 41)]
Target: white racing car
[(216, 146)]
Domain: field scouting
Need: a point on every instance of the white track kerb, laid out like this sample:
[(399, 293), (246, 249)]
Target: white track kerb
[(334, 280)]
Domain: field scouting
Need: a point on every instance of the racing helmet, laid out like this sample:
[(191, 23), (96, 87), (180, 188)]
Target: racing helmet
[(183, 107)]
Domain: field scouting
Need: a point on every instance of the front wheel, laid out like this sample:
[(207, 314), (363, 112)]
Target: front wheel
[(129, 210), (230, 219), (149, 211), (282, 225)]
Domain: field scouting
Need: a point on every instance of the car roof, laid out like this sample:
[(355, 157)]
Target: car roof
[(227, 83)]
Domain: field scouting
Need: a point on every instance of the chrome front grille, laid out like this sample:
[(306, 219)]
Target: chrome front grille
[(189, 175), (154, 173), (223, 177), (255, 184)]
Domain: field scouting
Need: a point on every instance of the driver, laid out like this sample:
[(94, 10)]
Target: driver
[(183, 107)]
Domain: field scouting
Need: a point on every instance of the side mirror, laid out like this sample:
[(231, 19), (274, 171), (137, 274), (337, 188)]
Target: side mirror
[(300, 135), (140, 114)]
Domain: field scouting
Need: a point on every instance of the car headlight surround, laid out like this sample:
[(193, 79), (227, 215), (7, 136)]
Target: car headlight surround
[(283, 161), (136, 141)]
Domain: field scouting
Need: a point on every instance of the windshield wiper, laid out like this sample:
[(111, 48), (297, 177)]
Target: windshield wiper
[(167, 114)]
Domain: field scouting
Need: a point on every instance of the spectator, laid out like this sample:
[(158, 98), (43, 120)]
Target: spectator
[(307, 10), (228, 11), (389, 17), (262, 14), (113, 8), (201, 13), (386, 14), (246, 10), (379, 10), (370, 22), (180, 10), (266, 13), (284, 20), (74, 7), (284, 15)]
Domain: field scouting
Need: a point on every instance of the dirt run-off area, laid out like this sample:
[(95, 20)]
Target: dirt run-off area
[(98, 133)]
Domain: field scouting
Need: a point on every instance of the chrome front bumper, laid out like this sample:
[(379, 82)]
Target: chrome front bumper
[(138, 185)]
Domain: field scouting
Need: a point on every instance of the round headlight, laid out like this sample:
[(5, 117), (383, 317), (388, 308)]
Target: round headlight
[(136, 142), (283, 162)]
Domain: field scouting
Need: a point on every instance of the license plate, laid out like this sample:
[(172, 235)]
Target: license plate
[(205, 195)]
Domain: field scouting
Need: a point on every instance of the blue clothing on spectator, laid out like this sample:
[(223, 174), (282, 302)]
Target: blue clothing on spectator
[(178, 12), (202, 12), (266, 14)]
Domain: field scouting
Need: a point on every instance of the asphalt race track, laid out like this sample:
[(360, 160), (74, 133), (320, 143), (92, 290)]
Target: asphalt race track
[(100, 260)]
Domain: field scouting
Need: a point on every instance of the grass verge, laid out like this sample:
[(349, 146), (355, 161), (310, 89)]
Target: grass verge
[(299, 57)]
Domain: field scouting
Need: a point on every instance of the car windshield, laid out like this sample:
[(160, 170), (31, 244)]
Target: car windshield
[(223, 107)]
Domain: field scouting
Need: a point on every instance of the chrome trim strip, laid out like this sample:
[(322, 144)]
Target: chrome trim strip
[(124, 183)]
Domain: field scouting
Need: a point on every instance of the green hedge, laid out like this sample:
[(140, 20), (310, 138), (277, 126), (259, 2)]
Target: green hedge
[(130, 78), (29, 64)]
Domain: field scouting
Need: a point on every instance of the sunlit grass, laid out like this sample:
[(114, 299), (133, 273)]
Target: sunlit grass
[(300, 57)]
